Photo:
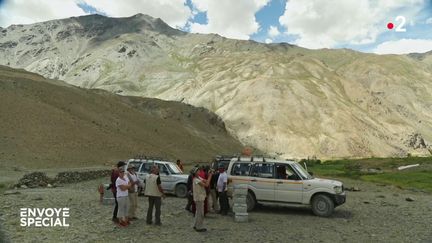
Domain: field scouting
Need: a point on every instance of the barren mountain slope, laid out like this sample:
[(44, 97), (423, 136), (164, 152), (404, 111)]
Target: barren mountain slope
[(280, 98), (47, 123)]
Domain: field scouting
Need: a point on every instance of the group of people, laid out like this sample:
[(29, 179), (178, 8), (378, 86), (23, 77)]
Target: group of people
[(125, 186), (203, 185)]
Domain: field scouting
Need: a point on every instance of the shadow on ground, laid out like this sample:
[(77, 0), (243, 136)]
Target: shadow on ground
[(299, 211)]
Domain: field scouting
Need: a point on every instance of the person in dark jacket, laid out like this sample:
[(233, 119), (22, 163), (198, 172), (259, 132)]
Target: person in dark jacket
[(213, 192), (189, 193), (114, 176)]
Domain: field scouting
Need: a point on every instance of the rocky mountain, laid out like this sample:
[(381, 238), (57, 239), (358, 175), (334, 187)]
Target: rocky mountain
[(48, 123), (282, 99)]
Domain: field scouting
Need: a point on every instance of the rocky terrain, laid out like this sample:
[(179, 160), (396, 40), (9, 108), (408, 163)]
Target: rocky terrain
[(374, 213), (283, 99), (50, 124)]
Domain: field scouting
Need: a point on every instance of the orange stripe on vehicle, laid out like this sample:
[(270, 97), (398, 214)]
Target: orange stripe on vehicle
[(250, 180), (291, 182)]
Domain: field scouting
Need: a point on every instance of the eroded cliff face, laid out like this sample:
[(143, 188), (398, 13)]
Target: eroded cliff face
[(48, 123), (280, 98)]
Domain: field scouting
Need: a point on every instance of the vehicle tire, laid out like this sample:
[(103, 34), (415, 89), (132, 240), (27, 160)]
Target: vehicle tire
[(181, 190), (250, 201), (322, 205)]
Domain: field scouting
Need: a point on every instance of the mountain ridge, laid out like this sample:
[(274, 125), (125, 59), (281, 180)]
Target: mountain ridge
[(48, 123), (283, 99)]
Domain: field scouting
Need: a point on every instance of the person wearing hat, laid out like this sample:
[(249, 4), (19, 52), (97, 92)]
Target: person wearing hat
[(114, 176), (133, 191)]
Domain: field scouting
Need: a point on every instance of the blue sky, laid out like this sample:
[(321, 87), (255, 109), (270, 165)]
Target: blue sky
[(356, 24)]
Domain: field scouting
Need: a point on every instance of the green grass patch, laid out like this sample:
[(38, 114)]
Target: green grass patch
[(417, 179), (378, 170)]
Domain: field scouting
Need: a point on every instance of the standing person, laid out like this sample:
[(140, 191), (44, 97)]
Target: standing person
[(122, 186), (154, 192), (197, 167), (213, 192), (199, 195), (206, 170), (180, 165), (222, 188), (133, 192), (189, 188), (114, 176)]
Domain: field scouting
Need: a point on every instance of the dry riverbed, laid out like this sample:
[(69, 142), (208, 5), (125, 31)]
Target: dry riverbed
[(376, 213)]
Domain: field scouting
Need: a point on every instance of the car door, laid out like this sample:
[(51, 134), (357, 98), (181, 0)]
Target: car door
[(144, 170), (239, 173), (263, 181), (289, 186), (166, 180)]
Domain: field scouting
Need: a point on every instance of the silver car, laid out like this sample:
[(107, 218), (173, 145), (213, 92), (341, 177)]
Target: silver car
[(172, 178), (284, 182)]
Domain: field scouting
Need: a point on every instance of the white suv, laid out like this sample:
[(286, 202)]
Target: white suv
[(172, 178), (281, 182)]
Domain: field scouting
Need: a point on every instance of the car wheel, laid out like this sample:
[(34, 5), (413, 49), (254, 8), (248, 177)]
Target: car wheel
[(181, 190), (322, 205), (250, 201)]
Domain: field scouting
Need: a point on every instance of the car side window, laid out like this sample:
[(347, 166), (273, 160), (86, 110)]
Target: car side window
[(163, 170), (291, 173), (145, 168), (241, 169), (286, 172), (263, 170)]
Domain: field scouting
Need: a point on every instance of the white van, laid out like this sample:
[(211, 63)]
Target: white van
[(279, 182), (172, 178)]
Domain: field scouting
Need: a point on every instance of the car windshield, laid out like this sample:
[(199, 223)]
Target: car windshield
[(301, 171), (174, 169)]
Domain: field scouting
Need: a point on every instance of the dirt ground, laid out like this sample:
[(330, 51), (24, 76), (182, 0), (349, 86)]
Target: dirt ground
[(376, 213)]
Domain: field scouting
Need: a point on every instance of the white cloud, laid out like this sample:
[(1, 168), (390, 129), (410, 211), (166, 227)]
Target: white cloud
[(173, 12), (429, 21), (326, 24), (404, 46), (273, 31), (31, 11), (232, 19), (268, 41)]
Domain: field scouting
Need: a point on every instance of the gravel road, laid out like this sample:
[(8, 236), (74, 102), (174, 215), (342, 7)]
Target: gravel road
[(376, 213)]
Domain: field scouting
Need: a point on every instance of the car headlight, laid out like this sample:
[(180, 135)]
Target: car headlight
[(338, 189)]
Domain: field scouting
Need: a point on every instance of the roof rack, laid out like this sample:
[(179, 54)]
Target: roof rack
[(252, 158), (142, 156), (223, 156)]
